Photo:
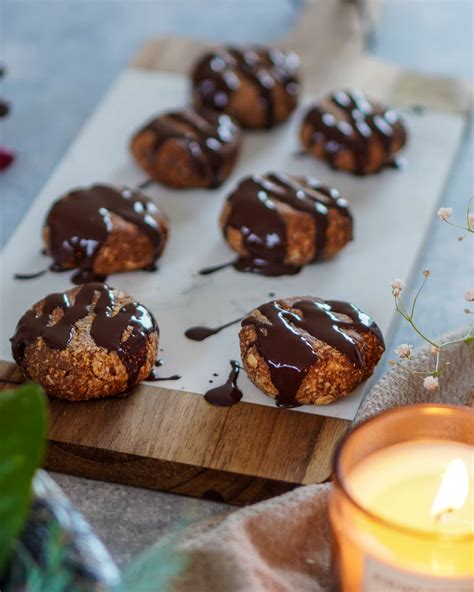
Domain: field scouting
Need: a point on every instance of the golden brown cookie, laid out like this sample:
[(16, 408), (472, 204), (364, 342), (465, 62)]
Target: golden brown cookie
[(102, 230), (187, 149), (305, 350), (277, 223), (89, 342), (257, 86), (352, 133)]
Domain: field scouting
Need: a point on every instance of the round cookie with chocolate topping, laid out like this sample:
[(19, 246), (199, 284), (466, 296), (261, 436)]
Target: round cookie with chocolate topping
[(187, 149), (102, 230), (257, 86), (353, 133), (305, 350), (277, 223), (89, 342)]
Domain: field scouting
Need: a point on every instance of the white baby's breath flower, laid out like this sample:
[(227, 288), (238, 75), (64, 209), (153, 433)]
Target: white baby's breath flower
[(444, 213), (404, 350), (431, 383), (397, 287), (470, 221), (469, 295)]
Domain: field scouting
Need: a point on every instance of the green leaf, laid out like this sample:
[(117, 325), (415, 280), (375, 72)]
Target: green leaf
[(23, 420)]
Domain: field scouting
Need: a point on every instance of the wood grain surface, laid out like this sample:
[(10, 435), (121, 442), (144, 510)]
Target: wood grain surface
[(175, 441)]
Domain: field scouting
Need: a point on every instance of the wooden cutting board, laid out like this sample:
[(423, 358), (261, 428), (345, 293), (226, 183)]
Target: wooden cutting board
[(177, 442)]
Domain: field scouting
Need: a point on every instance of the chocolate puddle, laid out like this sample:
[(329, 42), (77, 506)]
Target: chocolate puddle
[(227, 394)]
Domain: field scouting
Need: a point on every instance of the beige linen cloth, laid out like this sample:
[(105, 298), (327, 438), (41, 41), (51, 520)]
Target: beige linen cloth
[(282, 544)]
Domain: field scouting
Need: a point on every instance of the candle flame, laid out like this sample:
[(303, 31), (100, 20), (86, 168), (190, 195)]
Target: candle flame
[(453, 490)]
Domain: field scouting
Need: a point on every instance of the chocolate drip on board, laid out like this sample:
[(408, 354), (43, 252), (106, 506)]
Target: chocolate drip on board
[(227, 394), (215, 78), (363, 122), (208, 139), (29, 276), (107, 328), (79, 224), (214, 268), (200, 332), (155, 377), (254, 214), (4, 106), (283, 343)]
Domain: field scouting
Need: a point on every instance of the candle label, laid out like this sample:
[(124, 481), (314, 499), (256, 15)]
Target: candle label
[(381, 577)]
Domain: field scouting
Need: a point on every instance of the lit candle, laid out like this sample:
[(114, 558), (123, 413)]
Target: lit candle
[(402, 513)]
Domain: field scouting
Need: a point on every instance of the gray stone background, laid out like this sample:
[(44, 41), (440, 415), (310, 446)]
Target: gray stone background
[(62, 55)]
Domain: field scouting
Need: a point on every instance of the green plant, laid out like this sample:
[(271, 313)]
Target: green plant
[(23, 421), (23, 432)]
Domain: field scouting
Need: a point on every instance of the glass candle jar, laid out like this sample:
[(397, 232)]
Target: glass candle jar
[(402, 510)]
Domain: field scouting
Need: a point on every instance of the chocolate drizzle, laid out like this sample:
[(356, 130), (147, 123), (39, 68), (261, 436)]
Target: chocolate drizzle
[(155, 377), (227, 394), (217, 76), (211, 138), (107, 328), (214, 268), (29, 276), (349, 121), (200, 333), (284, 339), (4, 106), (80, 222), (254, 213)]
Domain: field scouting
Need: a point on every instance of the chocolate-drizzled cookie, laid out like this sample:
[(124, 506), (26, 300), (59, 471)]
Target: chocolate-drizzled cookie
[(89, 342), (353, 133), (186, 149), (102, 230), (277, 223), (305, 350), (257, 86)]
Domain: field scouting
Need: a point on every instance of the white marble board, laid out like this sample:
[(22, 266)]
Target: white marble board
[(392, 212)]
